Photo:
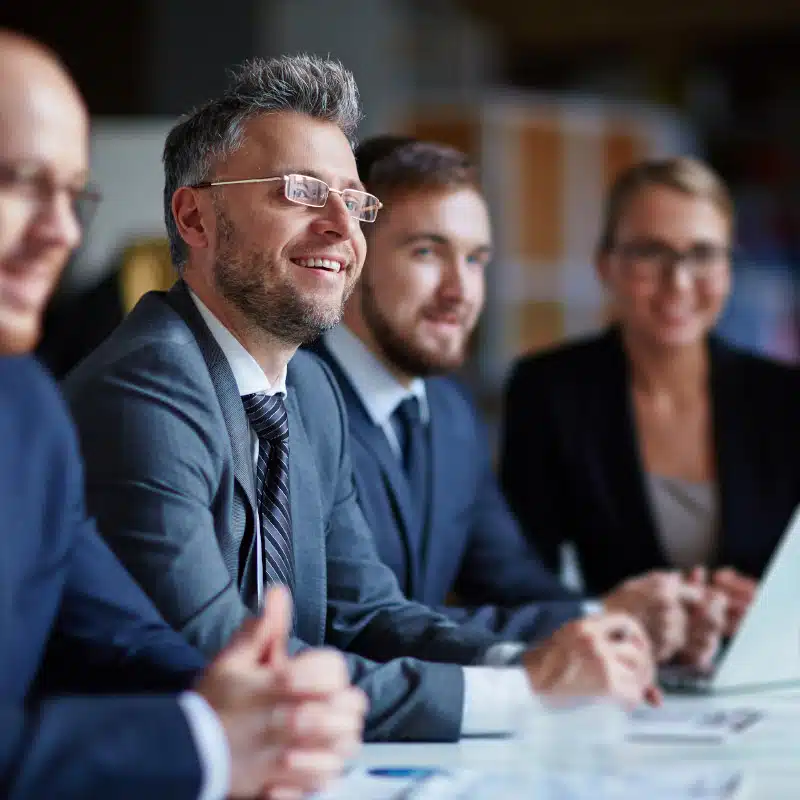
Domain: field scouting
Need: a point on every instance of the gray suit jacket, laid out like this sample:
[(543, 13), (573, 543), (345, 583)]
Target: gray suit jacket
[(170, 478)]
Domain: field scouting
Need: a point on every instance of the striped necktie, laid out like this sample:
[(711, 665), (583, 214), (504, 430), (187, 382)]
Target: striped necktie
[(267, 415)]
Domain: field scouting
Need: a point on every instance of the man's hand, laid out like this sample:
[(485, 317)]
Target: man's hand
[(603, 655), (739, 591), (661, 602), (290, 723)]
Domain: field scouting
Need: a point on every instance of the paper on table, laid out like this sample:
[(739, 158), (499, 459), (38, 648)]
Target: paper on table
[(682, 723), (674, 784)]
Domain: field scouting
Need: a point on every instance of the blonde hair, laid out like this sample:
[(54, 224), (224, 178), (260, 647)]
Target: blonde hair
[(686, 175)]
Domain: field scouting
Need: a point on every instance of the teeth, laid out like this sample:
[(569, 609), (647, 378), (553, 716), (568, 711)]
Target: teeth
[(319, 263)]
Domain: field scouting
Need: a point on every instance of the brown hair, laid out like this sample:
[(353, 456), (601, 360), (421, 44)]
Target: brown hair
[(686, 175), (388, 164)]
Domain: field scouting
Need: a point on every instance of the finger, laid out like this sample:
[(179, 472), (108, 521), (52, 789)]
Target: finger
[(621, 627), (264, 637), (734, 582), (284, 793), (626, 687), (316, 673), (308, 770), (276, 623), (690, 593), (674, 623), (351, 699), (635, 660), (321, 725), (697, 576), (653, 696)]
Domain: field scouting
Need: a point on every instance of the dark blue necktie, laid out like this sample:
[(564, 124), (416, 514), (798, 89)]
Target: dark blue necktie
[(412, 436), (267, 415)]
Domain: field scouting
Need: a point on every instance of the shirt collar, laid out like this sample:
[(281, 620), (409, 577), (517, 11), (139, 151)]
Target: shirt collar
[(246, 371), (376, 387)]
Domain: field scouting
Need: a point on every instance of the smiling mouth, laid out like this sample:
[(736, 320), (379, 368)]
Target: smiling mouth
[(327, 264), (445, 319)]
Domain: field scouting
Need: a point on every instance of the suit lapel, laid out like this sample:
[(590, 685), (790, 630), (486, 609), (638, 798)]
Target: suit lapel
[(225, 386), (373, 439), (441, 441), (234, 415), (308, 534)]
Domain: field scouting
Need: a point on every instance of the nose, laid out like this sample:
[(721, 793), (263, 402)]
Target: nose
[(453, 278), (681, 277), (58, 223), (334, 220)]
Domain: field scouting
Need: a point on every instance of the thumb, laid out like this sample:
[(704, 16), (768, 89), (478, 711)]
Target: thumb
[(697, 576), (263, 640), (277, 619)]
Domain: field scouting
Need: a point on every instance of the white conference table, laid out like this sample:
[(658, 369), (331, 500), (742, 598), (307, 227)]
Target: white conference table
[(768, 754)]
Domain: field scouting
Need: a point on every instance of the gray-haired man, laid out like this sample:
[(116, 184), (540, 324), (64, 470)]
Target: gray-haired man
[(217, 456)]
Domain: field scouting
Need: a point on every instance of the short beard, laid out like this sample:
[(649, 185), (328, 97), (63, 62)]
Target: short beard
[(401, 350), (279, 310)]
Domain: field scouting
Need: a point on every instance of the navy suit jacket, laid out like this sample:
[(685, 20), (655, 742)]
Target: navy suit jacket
[(572, 469), (471, 544), (72, 620)]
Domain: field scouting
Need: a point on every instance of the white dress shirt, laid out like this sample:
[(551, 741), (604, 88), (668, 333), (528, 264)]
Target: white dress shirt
[(211, 745), (249, 378), (494, 692)]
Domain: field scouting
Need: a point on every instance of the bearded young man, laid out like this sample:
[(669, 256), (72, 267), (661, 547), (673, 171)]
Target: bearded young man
[(421, 456)]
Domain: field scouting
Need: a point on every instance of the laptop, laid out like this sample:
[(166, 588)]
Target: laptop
[(765, 652)]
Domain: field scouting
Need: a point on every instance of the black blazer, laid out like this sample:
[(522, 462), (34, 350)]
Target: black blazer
[(572, 469)]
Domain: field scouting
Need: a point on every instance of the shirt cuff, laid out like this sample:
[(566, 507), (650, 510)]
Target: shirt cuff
[(592, 607), (503, 654), (495, 700), (211, 744)]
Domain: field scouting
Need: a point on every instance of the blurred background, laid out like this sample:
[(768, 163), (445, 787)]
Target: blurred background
[(552, 98)]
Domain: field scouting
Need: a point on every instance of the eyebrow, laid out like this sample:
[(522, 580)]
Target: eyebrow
[(350, 183), (437, 238)]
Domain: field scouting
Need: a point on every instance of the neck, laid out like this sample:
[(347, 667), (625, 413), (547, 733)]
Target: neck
[(271, 354), (356, 324), (658, 370)]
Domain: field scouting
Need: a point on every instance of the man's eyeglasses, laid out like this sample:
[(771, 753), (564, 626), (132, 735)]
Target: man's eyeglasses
[(308, 191), (653, 260), (30, 183)]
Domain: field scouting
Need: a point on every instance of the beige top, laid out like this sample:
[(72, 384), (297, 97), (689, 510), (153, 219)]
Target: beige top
[(687, 519)]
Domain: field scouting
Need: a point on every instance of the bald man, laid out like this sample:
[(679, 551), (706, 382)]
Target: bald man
[(80, 644)]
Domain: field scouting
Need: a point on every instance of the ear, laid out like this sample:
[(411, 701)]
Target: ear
[(191, 217)]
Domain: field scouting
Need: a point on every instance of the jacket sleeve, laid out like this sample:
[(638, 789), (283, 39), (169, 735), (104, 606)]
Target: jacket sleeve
[(153, 472), (86, 747)]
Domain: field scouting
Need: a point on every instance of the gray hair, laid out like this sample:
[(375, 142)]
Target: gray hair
[(306, 84)]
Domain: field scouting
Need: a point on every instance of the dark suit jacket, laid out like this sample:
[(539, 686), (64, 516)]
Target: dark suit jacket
[(71, 615), (572, 470), (470, 543), (170, 477)]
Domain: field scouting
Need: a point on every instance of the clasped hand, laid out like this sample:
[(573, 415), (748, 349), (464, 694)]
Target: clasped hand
[(290, 723)]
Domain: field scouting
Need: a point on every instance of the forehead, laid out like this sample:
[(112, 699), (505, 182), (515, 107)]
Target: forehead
[(43, 121), (277, 143), (459, 215), (670, 214)]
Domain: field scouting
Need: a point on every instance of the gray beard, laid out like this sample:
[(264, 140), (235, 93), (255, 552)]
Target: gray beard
[(279, 311)]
